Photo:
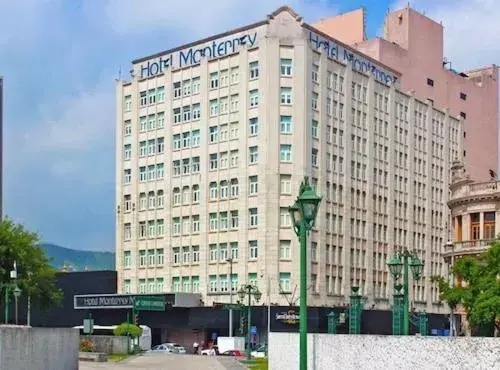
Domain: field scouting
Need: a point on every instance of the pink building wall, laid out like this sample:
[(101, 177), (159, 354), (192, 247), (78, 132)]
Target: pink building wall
[(413, 45)]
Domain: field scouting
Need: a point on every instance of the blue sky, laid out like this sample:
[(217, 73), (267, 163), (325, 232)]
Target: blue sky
[(60, 58)]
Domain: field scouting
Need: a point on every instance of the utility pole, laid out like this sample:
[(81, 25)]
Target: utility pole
[(230, 260)]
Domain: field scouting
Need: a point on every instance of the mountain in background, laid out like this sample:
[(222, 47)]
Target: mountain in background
[(76, 260)]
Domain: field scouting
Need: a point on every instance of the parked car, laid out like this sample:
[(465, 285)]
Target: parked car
[(260, 351), (177, 348), (210, 351), (162, 348), (233, 353)]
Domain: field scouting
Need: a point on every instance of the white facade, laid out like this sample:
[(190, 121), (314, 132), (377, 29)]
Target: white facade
[(211, 154)]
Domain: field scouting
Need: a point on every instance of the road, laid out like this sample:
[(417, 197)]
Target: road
[(177, 362)]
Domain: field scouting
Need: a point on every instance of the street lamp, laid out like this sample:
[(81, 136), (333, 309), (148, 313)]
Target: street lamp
[(303, 213), (10, 286), (398, 266), (249, 290)]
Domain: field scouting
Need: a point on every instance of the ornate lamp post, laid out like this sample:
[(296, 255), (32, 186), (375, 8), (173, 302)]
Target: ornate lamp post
[(398, 266), (303, 214), (249, 290)]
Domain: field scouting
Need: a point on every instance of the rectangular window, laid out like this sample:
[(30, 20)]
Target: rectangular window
[(285, 152), (160, 145), (285, 285), (143, 98), (127, 152), (285, 218), (152, 96), (160, 94), (176, 284), (285, 184), (254, 70), (213, 161), (142, 286), (127, 127), (286, 124), (314, 157), (127, 231), (254, 217), (213, 222), (127, 259), (254, 98), (177, 90), (196, 111), (254, 154), (196, 223), (142, 258), (195, 85), (195, 282), (143, 124), (223, 252), (214, 80), (314, 101), (160, 228), (235, 188), (315, 73), (213, 252), (160, 120), (253, 126), (151, 122), (286, 67), (234, 158), (234, 104), (254, 249), (176, 226), (196, 253), (214, 134), (214, 188), (314, 129), (214, 107), (212, 283), (254, 185), (286, 95), (127, 102), (177, 115), (223, 105), (186, 87), (285, 250), (223, 220), (234, 250), (142, 174), (234, 219), (430, 82), (160, 257)]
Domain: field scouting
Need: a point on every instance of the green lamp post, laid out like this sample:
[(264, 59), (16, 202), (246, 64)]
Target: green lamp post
[(399, 266), (303, 214), (249, 290)]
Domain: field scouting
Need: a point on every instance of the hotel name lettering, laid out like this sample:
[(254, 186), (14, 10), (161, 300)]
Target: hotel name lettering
[(192, 56)]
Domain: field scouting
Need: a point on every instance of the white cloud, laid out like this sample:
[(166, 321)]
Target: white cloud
[(200, 18), (471, 29)]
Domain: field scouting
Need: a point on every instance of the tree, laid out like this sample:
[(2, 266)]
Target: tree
[(35, 276), (479, 293), (126, 329)]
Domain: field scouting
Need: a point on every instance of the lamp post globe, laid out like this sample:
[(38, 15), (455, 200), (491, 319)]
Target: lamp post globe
[(257, 294), (416, 267), (395, 267), (242, 293), (309, 204)]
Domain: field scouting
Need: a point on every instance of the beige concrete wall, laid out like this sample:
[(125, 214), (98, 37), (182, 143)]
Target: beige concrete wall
[(108, 343), (25, 348), (329, 352)]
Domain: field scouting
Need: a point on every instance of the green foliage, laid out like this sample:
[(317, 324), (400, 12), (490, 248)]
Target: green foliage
[(126, 329), (35, 276), (86, 345), (480, 295)]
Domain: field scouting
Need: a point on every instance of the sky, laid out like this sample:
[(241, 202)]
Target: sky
[(60, 60)]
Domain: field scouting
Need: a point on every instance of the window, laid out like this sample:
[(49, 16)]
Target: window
[(151, 285), (286, 67), (214, 107), (186, 225), (254, 249), (143, 98), (142, 258), (127, 232), (127, 203), (314, 129), (254, 185), (159, 285), (142, 286), (127, 259), (127, 127), (254, 70), (223, 283), (196, 224), (186, 139), (160, 171), (253, 126), (286, 95), (223, 105), (235, 189), (254, 217), (186, 195), (213, 191), (234, 250), (195, 138), (214, 80), (160, 228), (234, 282), (314, 157), (176, 258), (214, 134), (234, 219), (143, 124), (213, 252), (235, 100), (196, 253), (252, 278), (212, 283), (285, 282), (177, 90), (151, 96), (160, 94), (176, 284), (151, 200), (195, 85), (186, 255), (142, 174), (151, 257), (213, 221), (196, 111), (176, 199), (234, 130), (315, 73), (142, 229), (234, 158), (223, 252), (224, 189), (213, 161), (176, 141), (489, 225), (195, 283), (160, 257), (314, 101), (254, 154), (285, 152), (186, 113), (430, 82), (186, 87), (160, 145), (463, 96), (254, 98), (143, 201), (285, 184), (151, 122), (285, 250), (176, 226), (195, 193), (127, 152), (151, 172), (126, 286), (286, 124), (224, 160), (177, 115), (224, 78), (285, 218), (151, 147), (314, 252), (160, 119), (127, 102)]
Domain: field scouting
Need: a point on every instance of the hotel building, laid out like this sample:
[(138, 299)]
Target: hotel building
[(214, 138)]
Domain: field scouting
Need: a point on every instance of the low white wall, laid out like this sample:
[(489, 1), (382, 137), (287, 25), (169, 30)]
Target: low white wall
[(26, 348), (329, 351)]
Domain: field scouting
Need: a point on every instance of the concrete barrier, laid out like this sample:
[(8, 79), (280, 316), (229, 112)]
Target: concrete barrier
[(108, 344), (26, 348), (93, 356), (329, 352)]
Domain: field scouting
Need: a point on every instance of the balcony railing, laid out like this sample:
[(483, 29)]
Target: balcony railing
[(481, 188), (468, 247)]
